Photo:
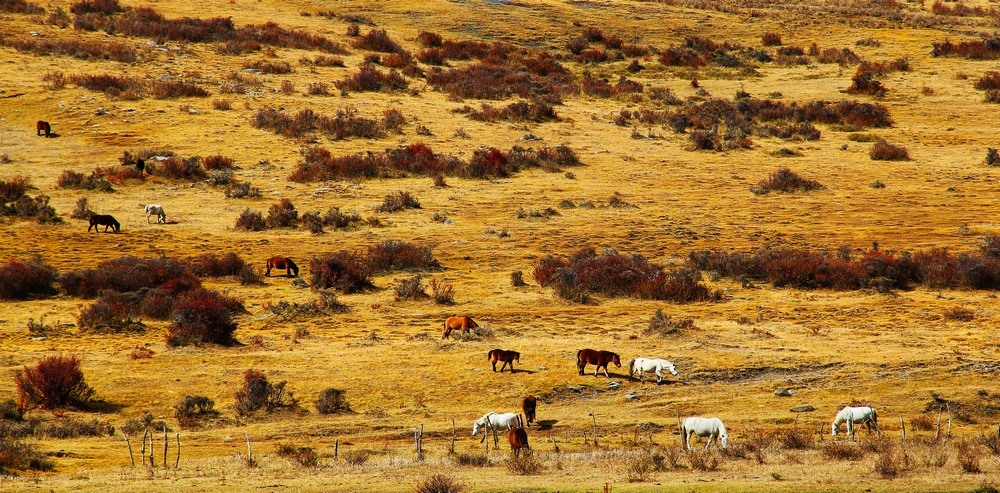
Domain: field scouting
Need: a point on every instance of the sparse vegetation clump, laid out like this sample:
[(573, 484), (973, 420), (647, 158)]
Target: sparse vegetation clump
[(79, 181), (369, 78), (192, 410), (22, 280), (439, 483), (332, 401), (203, 316), (885, 151), (257, 394), (786, 181)]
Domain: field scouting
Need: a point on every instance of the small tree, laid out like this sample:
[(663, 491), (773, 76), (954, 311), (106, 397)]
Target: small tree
[(56, 381), (332, 401), (258, 393)]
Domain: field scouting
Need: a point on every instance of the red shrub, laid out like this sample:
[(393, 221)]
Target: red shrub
[(394, 255), (214, 265), (429, 39), (785, 180), (14, 188), (592, 56), (771, 39), (884, 151), (377, 40), (368, 78), (218, 162), (112, 313), (203, 316), (56, 381), (251, 220), (25, 280), (343, 271), (103, 7), (989, 80), (19, 7), (986, 49), (178, 169), (124, 274)]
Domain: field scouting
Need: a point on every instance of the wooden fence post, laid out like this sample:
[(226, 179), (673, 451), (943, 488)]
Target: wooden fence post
[(166, 442), (902, 426), (592, 415), (129, 444), (177, 463), (336, 451), (452, 449), (249, 451)]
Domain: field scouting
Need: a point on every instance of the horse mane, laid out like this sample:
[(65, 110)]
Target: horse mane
[(292, 264)]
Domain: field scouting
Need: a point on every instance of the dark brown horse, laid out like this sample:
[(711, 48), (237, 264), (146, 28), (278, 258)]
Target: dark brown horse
[(517, 438), (528, 406), (598, 358), (508, 358), (104, 220), (282, 263), (43, 128), (465, 323)]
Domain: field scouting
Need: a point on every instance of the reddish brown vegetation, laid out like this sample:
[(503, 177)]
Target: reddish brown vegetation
[(985, 49), (613, 274), (785, 180), (504, 71), (20, 7), (54, 382), (352, 272), (203, 316), (79, 48), (368, 78), (319, 165), (346, 124), (885, 151), (21, 280), (516, 111)]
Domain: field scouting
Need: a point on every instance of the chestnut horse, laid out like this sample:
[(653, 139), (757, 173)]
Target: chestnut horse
[(517, 438), (282, 263), (43, 127), (455, 323), (104, 220), (528, 406), (508, 358), (598, 358)]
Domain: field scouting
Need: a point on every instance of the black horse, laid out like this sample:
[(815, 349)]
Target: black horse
[(104, 220)]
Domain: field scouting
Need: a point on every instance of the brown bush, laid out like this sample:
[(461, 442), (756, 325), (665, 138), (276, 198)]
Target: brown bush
[(124, 275), (770, 39), (439, 483), (984, 49), (663, 325), (20, 7), (170, 89), (251, 220), (786, 181), (442, 292), (193, 409), (114, 313), (269, 67), (517, 111), (377, 40), (331, 401), (74, 180), (258, 394), (959, 314), (83, 49), (343, 271), (303, 456), (18, 456), (368, 78), (215, 265), (282, 215), (398, 201), (410, 288), (842, 451), (203, 316), (394, 255), (20, 280), (54, 382), (885, 151), (923, 422)]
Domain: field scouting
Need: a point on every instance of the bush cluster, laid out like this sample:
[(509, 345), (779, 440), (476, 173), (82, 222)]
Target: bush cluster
[(613, 274), (369, 78), (506, 72), (133, 88), (530, 111), (332, 401), (345, 125), (203, 316), (86, 49), (802, 268), (20, 7), (352, 272), (319, 165), (22, 280), (94, 181), (14, 202), (981, 49), (398, 201), (215, 265)]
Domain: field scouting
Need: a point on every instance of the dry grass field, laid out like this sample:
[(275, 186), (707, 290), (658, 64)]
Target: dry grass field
[(918, 353)]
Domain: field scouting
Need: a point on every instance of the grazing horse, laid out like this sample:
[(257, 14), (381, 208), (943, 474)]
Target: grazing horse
[(140, 165), (704, 427), (104, 220), (856, 415), (598, 358), (465, 323), (43, 127), (528, 405), (654, 365), (494, 422), (508, 358), (157, 210), (517, 438), (282, 263)]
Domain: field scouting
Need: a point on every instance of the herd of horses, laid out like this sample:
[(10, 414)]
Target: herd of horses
[(711, 428)]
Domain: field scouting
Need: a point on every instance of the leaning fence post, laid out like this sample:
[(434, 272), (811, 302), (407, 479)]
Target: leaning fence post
[(177, 463), (249, 451), (336, 450), (129, 444), (452, 450)]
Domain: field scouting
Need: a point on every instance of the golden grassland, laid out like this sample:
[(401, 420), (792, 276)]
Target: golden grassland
[(891, 351)]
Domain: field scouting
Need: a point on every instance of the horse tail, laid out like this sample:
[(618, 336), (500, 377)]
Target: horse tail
[(489, 355), (631, 367), (874, 418)]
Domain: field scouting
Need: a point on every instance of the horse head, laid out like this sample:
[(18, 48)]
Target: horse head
[(481, 424), (670, 366), (616, 360), (517, 357)]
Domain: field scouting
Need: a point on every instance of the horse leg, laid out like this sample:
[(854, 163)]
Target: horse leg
[(659, 376), (268, 273), (495, 366), (606, 371), (581, 366)]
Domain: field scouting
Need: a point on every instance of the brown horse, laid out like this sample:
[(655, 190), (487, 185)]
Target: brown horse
[(282, 263), (43, 127), (508, 358), (598, 358), (465, 323), (517, 438), (528, 406), (104, 220)]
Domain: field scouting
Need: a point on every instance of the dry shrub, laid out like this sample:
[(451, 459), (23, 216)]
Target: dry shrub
[(251, 220), (258, 394), (443, 293), (243, 190), (18, 456), (892, 461), (517, 111), (178, 169), (523, 464), (357, 457), (959, 314), (20, 7), (368, 78), (377, 40), (770, 39), (303, 456), (410, 289), (439, 483), (393, 255), (842, 451), (473, 460), (992, 157), (141, 352), (796, 438), (72, 179), (663, 325), (980, 49), (331, 401), (884, 151), (638, 466), (203, 316), (923, 422), (786, 181), (54, 382), (704, 460), (170, 89), (123, 275), (282, 215), (66, 427), (20, 280), (526, 76), (114, 86), (346, 272), (517, 279), (113, 313), (215, 265), (969, 455), (398, 201)]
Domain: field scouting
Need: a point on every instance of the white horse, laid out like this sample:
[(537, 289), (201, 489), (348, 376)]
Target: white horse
[(856, 415), (494, 421), (654, 365), (704, 427), (157, 210)]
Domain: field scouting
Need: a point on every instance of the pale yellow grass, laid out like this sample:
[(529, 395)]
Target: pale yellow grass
[(892, 352)]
